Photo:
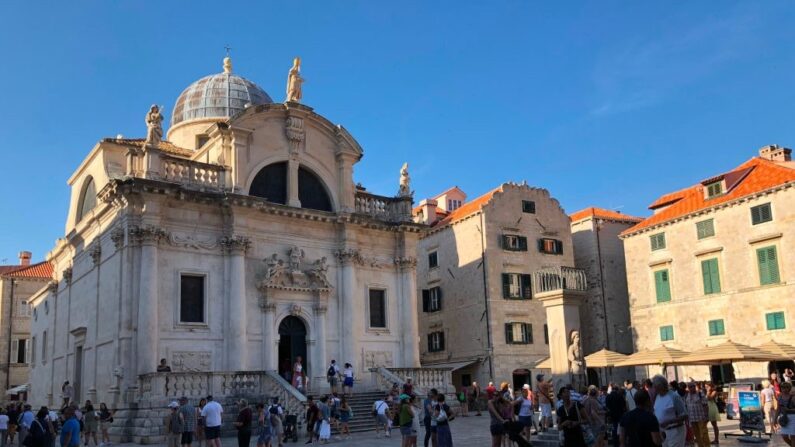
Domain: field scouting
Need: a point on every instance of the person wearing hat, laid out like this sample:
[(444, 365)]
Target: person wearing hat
[(405, 418), (173, 425)]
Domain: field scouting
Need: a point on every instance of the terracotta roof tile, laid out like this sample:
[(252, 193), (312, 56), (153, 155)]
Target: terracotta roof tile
[(467, 208), (9, 268), (603, 213), (164, 146), (40, 270), (751, 177)]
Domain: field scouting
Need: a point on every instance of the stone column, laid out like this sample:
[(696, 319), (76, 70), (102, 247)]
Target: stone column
[(270, 342), (292, 183), (236, 338), (321, 360), (350, 323), (563, 317), (409, 327), (148, 301)]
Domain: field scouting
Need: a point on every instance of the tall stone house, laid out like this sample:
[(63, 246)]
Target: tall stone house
[(17, 284), (716, 261), (475, 266), (599, 251)]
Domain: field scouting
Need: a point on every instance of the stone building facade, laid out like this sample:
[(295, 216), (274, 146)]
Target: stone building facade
[(599, 251), (716, 261), (237, 244), (475, 266), (18, 283)]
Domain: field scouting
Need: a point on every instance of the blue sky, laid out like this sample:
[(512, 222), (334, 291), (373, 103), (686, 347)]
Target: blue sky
[(604, 103)]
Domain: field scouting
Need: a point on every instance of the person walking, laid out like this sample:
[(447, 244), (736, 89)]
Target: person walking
[(639, 427), (105, 419), (570, 420), (200, 422), (785, 415), (461, 396), (277, 421), (25, 420), (243, 424), (443, 416), (264, 427), (616, 407), (524, 410), (474, 398), (496, 408), (324, 425), (769, 404), (543, 394), (332, 376), (346, 413), (595, 415), (172, 425), (347, 380), (3, 427), (211, 413), (697, 414), (90, 423), (381, 414), (187, 415), (670, 412), (714, 415), (70, 431), (67, 391), (427, 418)]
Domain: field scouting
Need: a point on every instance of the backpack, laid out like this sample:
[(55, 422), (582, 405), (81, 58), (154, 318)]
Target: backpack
[(36, 436), (331, 371), (273, 409)]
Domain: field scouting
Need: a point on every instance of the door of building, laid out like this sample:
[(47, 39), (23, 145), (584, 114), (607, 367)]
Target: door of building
[(78, 382), (521, 377), (292, 344)]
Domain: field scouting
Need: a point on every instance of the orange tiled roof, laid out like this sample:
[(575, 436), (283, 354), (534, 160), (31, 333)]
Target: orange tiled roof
[(467, 209), (9, 268), (40, 270), (753, 176), (164, 146), (603, 213)]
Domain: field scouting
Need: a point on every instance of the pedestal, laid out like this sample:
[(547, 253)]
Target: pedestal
[(563, 318)]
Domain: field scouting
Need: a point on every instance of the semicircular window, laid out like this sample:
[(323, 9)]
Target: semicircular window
[(270, 183), (88, 199)]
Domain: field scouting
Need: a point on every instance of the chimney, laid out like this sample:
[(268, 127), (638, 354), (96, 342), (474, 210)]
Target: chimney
[(774, 152), (428, 209), (24, 257)]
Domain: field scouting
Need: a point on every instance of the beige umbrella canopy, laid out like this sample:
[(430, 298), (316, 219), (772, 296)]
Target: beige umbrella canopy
[(728, 351), (661, 355), (603, 359), (785, 352)]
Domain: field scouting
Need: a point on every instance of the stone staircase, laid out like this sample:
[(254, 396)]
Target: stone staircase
[(548, 438), (362, 405)]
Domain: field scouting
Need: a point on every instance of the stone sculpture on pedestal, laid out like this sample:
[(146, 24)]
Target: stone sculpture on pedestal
[(154, 126)]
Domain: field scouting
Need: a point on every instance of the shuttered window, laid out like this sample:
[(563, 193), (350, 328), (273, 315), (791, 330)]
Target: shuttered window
[(768, 265), (546, 334), (761, 214), (711, 276), (705, 228), (666, 333), (518, 333), (550, 246), (432, 299), (516, 286), (436, 341), (662, 285), (716, 328), (657, 241), (514, 242), (775, 321)]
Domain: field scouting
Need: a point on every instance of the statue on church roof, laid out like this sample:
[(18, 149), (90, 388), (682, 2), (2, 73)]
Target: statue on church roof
[(405, 182), (154, 126), (294, 82)]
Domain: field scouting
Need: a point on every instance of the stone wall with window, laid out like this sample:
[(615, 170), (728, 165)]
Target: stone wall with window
[(724, 273)]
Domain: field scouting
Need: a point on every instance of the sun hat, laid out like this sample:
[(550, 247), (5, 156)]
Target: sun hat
[(173, 405)]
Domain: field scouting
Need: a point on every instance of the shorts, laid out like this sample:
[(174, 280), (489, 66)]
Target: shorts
[(187, 437), (407, 431), (104, 426), (348, 381), (332, 381), (382, 419), (497, 429), (212, 432), (546, 410), (526, 421)]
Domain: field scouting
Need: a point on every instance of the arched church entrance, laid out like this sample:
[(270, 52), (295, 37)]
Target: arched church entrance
[(292, 343)]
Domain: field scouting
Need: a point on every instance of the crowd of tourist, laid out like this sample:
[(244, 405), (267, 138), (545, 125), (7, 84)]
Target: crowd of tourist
[(46, 427)]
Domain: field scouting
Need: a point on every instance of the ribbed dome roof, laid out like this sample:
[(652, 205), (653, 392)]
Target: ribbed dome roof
[(217, 96)]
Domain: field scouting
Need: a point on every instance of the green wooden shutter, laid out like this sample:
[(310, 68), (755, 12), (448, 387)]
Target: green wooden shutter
[(426, 299), (527, 288), (430, 342), (711, 276), (768, 265), (522, 243), (506, 285), (508, 333), (441, 341), (662, 286), (439, 298), (529, 332)]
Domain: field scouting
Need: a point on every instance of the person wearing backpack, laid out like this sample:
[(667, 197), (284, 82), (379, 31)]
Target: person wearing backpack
[(277, 418), (39, 434), (332, 375)]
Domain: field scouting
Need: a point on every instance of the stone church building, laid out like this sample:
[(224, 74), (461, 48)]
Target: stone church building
[(236, 243)]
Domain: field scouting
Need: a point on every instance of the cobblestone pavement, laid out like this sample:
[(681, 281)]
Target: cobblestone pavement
[(467, 432)]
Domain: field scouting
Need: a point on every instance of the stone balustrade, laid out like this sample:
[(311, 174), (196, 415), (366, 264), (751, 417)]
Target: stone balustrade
[(423, 379), (559, 278), (390, 209), (191, 173)]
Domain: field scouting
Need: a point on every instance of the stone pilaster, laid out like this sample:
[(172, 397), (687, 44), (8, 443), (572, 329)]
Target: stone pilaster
[(148, 237), (235, 248), (351, 327), (407, 267), (563, 317)]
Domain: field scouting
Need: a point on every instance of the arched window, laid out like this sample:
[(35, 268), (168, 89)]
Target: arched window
[(270, 183), (88, 199)]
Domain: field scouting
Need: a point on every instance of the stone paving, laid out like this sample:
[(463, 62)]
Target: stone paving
[(467, 432)]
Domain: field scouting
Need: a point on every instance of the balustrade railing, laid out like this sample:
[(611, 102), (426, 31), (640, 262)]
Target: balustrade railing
[(423, 379), (390, 209), (191, 173), (559, 278)]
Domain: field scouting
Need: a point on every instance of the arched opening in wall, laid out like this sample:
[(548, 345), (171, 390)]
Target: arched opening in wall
[(521, 377), (88, 199), (292, 344), (311, 191), (270, 183), (593, 376)]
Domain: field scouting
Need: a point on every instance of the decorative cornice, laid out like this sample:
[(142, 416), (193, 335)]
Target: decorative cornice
[(348, 256), (235, 244), (149, 234), (406, 262)]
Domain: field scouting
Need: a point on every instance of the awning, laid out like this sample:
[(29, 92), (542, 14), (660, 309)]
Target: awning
[(662, 355), (544, 364), (18, 389), (452, 365), (728, 352), (603, 359), (786, 352)]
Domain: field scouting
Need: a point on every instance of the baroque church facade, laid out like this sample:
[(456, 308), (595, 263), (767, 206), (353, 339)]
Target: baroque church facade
[(237, 243)]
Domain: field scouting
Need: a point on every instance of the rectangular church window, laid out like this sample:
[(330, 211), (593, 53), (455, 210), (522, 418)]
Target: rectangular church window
[(191, 299), (378, 308)]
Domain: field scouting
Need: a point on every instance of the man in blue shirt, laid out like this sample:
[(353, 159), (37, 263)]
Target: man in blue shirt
[(70, 432), (25, 421)]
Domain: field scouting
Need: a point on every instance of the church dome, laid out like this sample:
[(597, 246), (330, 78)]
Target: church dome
[(217, 96)]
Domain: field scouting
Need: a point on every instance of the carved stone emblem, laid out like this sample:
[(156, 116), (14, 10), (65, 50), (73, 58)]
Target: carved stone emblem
[(191, 361), (295, 310), (374, 359), (294, 273)]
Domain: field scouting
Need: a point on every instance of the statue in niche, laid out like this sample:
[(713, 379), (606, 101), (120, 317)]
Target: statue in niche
[(294, 82), (576, 364), (154, 126), (296, 255), (405, 181)]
